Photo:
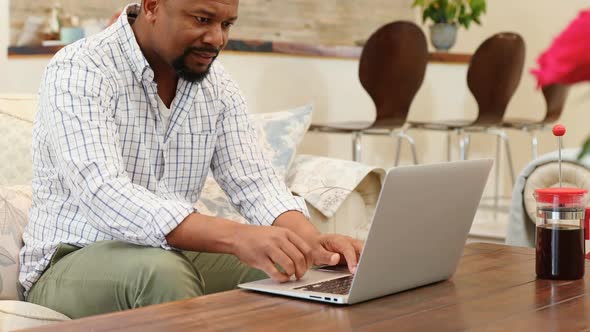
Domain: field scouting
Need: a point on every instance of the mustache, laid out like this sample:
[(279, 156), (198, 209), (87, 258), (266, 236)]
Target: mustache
[(202, 49)]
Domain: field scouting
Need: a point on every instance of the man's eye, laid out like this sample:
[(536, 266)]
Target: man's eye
[(227, 24), (202, 20)]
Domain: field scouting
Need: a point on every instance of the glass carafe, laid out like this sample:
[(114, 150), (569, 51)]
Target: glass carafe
[(560, 233)]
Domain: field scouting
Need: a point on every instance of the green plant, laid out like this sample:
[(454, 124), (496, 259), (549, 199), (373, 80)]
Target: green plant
[(461, 12)]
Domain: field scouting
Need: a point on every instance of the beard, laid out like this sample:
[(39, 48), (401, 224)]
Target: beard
[(182, 70)]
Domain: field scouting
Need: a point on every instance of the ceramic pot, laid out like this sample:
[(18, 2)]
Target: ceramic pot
[(443, 36)]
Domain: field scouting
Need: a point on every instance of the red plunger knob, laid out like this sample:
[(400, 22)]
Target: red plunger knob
[(559, 130)]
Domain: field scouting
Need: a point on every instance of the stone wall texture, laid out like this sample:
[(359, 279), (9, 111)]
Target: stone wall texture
[(326, 22)]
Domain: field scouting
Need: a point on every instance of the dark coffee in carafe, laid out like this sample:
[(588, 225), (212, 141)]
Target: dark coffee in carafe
[(560, 252)]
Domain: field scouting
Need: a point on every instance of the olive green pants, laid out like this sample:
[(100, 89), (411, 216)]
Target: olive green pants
[(112, 276)]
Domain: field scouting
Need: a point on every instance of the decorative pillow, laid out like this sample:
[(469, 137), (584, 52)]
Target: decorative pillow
[(214, 202), (279, 134), (16, 123), (15, 203)]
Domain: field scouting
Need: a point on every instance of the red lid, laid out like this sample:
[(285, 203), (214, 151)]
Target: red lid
[(559, 195)]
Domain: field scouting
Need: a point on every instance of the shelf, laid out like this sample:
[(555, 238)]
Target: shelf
[(279, 48)]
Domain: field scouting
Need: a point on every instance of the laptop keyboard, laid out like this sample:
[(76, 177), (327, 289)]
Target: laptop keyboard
[(335, 286)]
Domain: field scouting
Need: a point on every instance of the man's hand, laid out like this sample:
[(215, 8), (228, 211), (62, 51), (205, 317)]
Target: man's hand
[(327, 249), (257, 246), (333, 249), (263, 247), (292, 242)]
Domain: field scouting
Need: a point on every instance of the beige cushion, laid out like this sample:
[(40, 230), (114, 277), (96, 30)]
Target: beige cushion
[(15, 202), (23, 106), (16, 125), (20, 315), (547, 176)]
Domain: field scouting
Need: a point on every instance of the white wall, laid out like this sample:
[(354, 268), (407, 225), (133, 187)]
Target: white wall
[(538, 21), (273, 82), (16, 75)]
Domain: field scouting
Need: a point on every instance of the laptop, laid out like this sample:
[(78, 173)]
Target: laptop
[(416, 238)]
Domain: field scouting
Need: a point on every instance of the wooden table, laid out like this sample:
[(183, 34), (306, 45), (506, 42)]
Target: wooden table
[(493, 289)]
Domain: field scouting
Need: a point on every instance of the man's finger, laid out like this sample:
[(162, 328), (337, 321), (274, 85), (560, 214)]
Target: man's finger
[(297, 257), (348, 250), (303, 247), (358, 246), (271, 270), (279, 257), (325, 257)]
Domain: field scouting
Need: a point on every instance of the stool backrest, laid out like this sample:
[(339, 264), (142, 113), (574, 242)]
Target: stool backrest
[(391, 70), (494, 74), (555, 96)]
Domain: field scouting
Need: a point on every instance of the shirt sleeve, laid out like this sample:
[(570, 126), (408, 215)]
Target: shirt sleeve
[(240, 167), (76, 112)]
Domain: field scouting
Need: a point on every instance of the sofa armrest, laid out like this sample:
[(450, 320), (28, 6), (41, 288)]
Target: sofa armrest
[(573, 175), (542, 172), (341, 195)]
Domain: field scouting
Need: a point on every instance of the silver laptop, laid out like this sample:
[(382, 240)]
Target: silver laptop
[(417, 236)]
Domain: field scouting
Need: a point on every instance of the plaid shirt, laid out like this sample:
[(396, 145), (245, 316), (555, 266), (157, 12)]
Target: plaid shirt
[(103, 170)]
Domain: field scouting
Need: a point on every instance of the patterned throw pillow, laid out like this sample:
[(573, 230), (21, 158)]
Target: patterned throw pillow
[(15, 202), (279, 133)]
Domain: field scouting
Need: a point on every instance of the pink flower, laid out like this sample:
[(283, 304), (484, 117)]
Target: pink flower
[(567, 60)]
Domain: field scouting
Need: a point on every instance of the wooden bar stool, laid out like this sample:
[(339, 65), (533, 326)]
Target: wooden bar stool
[(555, 96), (391, 70)]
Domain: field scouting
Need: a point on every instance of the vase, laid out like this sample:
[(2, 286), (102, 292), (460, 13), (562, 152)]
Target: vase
[(443, 36)]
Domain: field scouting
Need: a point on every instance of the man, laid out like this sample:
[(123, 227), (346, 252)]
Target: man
[(129, 123)]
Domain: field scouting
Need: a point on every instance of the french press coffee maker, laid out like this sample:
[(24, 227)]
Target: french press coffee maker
[(560, 236)]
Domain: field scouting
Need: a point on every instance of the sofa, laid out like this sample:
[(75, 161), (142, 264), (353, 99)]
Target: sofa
[(341, 195), (542, 172)]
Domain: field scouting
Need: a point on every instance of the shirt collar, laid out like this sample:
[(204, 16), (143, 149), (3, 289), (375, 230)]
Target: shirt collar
[(137, 61)]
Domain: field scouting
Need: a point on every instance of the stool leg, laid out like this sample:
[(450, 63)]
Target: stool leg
[(403, 136), (356, 146), (413, 146), (502, 136), (535, 144), (497, 176), (509, 157), (466, 143), (448, 145), (461, 144), (398, 149)]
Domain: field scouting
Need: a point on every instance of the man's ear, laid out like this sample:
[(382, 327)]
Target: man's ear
[(149, 8)]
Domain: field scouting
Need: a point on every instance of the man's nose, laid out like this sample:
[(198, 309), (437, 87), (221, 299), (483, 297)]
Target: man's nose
[(214, 37)]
